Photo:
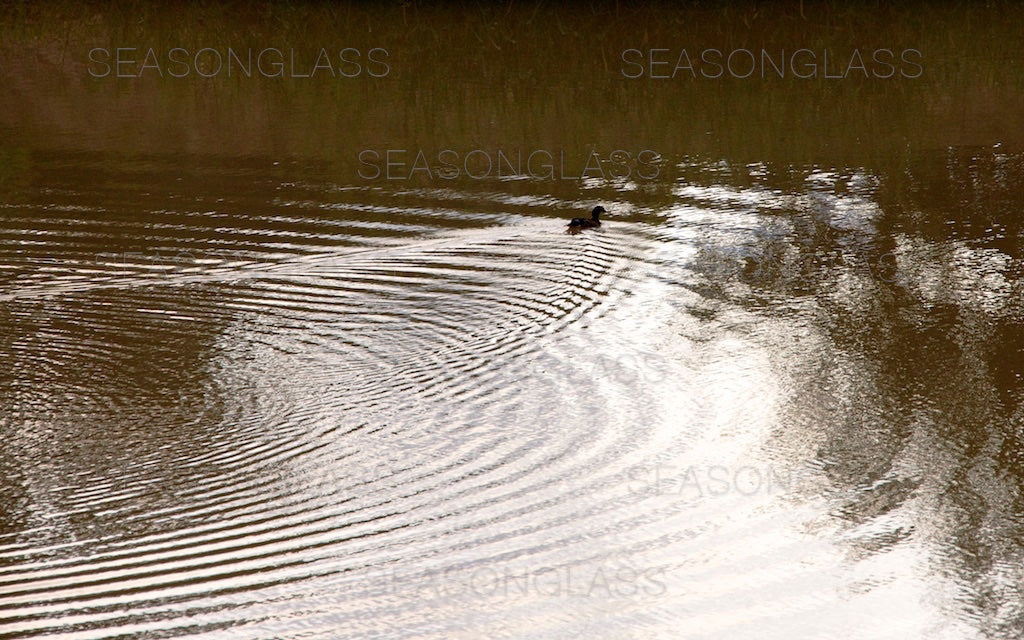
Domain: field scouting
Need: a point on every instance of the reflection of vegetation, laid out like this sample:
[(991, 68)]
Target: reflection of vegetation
[(916, 404), (14, 173), (533, 77)]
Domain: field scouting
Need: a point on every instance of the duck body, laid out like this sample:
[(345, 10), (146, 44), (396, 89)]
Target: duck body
[(592, 222)]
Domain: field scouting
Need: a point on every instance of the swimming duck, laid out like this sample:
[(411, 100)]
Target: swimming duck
[(584, 223)]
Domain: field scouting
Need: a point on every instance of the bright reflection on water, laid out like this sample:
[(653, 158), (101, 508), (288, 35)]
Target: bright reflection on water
[(249, 395)]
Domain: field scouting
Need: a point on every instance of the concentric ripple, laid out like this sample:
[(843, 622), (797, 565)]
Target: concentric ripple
[(244, 427), (342, 419)]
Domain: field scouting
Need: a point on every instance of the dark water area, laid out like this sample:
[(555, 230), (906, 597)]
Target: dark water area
[(297, 346)]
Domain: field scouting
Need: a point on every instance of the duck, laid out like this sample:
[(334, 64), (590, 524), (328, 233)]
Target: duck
[(587, 223)]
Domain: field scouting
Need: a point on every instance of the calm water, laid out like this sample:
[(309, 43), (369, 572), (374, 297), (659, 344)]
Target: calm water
[(255, 382)]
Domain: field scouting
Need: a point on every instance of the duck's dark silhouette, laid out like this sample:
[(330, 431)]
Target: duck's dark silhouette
[(577, 224)]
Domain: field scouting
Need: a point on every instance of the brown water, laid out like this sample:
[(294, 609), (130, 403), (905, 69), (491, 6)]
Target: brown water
[(258, 383)]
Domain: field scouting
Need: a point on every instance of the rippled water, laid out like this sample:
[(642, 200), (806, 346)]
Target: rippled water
[(446, 417), (248, 392)]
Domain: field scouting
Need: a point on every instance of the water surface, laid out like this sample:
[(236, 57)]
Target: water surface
[(248, 392)]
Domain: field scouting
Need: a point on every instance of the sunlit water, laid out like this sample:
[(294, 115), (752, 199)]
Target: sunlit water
[(320, 416)]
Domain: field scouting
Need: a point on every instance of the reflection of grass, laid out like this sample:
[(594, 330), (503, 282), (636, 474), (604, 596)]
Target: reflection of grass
[(527, 75), (14, 173)]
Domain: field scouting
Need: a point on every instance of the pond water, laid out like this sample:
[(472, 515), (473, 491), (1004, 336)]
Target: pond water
[(316, 358)]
